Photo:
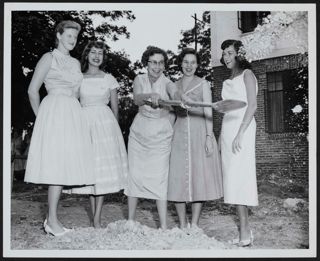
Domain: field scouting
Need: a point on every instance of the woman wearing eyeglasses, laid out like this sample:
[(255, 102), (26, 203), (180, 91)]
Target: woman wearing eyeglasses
[(150, 136)]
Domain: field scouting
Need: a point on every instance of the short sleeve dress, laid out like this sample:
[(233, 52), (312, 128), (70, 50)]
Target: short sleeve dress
[(239, 169), (149, 145), (110, 155), (60, 149)]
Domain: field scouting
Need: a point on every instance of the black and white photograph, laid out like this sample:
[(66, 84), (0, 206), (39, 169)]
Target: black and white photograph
[(159, 130)]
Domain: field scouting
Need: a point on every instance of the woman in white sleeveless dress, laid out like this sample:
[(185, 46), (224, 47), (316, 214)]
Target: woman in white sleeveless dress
[(150, 137), (60, 149), (238, 135), (110, 156)]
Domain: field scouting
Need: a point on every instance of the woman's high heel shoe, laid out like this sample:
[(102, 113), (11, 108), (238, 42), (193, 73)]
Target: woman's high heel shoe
[(247, 242), (242, 243), (48, 229), (45, 223)]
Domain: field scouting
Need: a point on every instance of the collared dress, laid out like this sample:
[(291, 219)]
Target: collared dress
[(110, 156), (193, 175), (149, 145), (60, 148), (239, 169)]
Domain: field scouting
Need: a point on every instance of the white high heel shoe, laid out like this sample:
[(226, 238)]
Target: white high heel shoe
[(247, 242), (49, 230), (243, 243)]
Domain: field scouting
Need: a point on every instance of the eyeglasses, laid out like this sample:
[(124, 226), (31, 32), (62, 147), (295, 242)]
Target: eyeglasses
[(155, 63), (186, 63)]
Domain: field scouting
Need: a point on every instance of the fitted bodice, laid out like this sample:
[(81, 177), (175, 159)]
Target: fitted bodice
[(236, 89), (194, 91), (64, 76), (158, 87), (97, 91)]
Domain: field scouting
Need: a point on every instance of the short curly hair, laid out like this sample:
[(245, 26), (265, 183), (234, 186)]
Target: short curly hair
[(242, 61), (86, 50), (184, 52), (152, 50), (64, 25)]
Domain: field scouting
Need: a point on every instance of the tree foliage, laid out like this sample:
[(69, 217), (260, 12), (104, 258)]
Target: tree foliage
[(281, 25), (298, 117), (291, 26), (33, 35), (203, 48), (258, 45)]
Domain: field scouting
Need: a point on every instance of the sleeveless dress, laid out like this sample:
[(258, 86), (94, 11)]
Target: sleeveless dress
[(110, 155), (60, 149), (239, 170), (193, 175), (149, 146)]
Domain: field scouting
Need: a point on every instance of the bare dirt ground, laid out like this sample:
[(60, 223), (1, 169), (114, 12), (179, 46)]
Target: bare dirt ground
[(274, 225)]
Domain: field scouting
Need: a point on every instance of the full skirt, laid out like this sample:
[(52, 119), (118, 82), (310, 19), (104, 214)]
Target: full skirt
[(110, 156), (60, 150)]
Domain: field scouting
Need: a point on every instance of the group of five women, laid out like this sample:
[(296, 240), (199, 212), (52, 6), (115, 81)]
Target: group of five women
[(172, 153)]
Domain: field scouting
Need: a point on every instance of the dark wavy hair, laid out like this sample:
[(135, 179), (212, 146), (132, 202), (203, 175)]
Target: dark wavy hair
[(242, 61), (64, 25), (184, 52), (152, 50), (87, 48)]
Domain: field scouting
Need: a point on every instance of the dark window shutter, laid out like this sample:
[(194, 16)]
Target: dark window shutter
[(274, 100), (248, 21), (281, 96)]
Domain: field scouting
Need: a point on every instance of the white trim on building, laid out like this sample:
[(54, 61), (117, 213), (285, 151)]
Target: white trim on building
[(224, 25)]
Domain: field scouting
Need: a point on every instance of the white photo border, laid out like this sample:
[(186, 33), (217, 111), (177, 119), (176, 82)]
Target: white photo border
[(7, 252)]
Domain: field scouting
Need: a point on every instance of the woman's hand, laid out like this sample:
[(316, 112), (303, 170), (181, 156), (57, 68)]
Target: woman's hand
[(237, 143), (154, 97), (217, 107), (209, 145), (185, 99)]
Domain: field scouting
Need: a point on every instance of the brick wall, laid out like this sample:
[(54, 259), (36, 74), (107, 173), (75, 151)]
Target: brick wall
[(276, 153)]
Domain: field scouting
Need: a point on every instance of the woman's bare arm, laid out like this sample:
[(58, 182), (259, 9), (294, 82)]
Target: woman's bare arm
[(40, 72)]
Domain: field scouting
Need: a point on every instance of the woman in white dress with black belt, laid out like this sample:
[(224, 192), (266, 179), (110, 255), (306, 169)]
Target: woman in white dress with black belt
[(238, 135)]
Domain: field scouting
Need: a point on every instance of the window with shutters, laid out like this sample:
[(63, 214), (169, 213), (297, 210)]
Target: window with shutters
[(248, 21), (286, 90)]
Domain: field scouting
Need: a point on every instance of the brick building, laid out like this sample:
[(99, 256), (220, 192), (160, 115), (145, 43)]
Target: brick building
[(279, 149)]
